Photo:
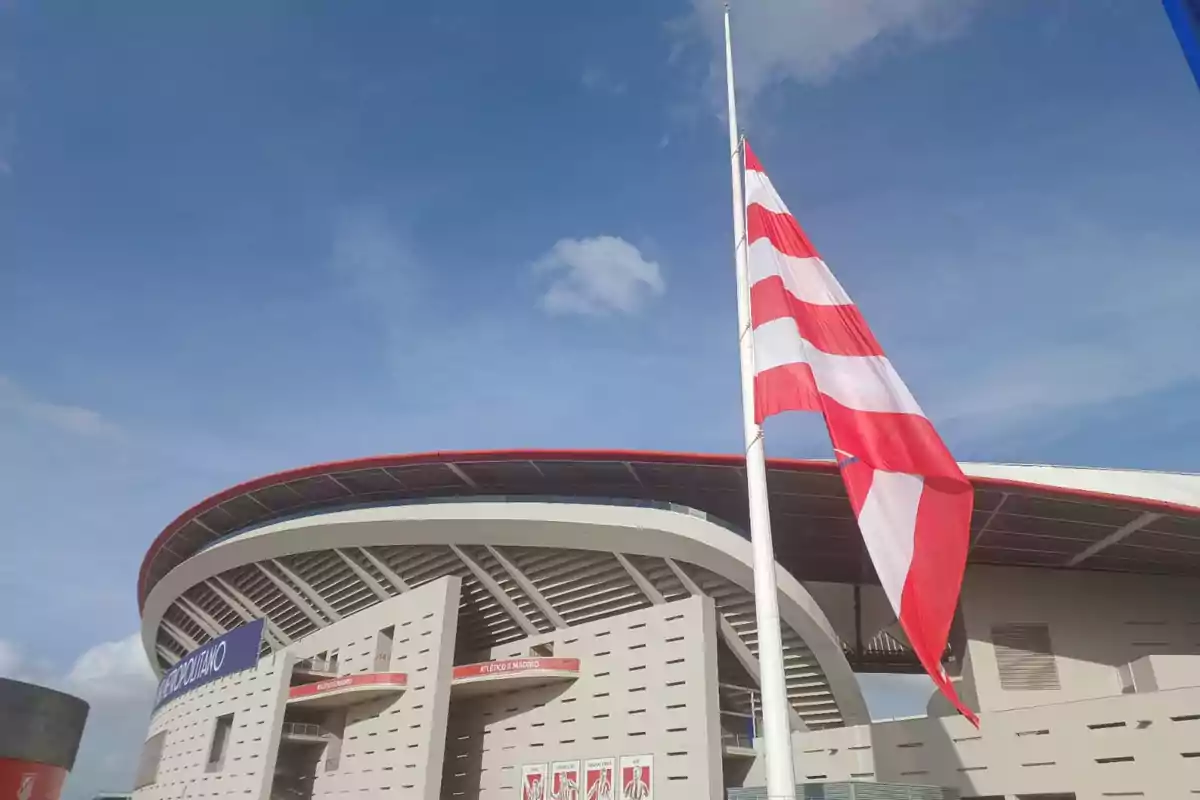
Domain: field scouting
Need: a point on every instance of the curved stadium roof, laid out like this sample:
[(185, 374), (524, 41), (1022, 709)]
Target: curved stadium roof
[(1024, 515)]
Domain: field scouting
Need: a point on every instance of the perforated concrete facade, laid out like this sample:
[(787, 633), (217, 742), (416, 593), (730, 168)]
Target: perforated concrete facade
[(1097, 623), (391, 747), (1086, 736), (647, 685), (256, 699)]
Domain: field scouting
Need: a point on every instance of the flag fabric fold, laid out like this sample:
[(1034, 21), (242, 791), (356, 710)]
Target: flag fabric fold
[(813, 351)]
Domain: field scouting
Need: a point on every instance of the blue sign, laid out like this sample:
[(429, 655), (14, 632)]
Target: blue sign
[(1185, 19), (225, 655)]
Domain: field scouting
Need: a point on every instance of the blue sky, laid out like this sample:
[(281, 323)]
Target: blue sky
[(236, 238)]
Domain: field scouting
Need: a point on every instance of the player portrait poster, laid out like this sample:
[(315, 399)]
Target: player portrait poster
[(533, 782), (637, 777), (599, 779), (564, 781)]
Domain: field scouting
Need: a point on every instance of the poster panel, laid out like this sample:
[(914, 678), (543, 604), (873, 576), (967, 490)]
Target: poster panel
[(599, 779), (565, 781), (637, 777), (533, 782)]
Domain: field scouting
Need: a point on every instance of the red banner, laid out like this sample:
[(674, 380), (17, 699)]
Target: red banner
[(348, 682), (516, 665), (28, 780)]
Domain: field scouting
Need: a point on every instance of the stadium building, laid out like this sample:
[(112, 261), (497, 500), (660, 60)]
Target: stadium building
[(580, 626)]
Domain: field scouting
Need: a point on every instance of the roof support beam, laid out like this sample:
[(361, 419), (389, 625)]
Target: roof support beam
[(740, 651), (206, 527), (175, 632), (311, 594), (291, 594), (200, 617), (497, 592), (633, 472), (527, 586), (1113, 538), (649, 589), (689, 585), (248, 610), (988, 522), (333, 479), (462, 476), (166, 655), (387, 572), (375, 586)]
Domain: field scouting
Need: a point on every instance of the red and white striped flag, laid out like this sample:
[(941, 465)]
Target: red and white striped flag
[(813, 351)]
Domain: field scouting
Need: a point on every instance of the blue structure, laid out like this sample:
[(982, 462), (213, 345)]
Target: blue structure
[(1185, 18)]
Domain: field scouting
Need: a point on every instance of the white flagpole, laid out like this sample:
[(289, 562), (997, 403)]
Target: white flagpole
[(777, 737)]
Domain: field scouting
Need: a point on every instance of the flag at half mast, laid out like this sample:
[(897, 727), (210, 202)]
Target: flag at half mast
[(813, 351)]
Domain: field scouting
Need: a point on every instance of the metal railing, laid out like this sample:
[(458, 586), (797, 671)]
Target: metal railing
[(306, 729), (736, 739), (322, 665), (852, 790)]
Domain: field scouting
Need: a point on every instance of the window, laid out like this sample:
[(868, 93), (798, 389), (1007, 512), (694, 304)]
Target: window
[(219, 744), (383, 648), (1127, 680), (147, 767), (542, 650)]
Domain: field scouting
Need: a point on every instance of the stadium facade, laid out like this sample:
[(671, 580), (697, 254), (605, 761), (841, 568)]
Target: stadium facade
[(571, 625)]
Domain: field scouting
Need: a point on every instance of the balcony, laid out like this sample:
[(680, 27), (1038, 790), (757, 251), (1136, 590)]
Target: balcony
[(303, 733), (348, 690), (738, 732), (309, 670), (493, 677)]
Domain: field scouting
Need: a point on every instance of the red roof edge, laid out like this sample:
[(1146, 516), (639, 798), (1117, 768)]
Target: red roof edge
[(469, 456)]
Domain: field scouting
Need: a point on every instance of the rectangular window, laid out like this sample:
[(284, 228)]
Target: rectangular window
[(383, 648), (542, 650), (1127, 680), (219, 744), (147, 767)]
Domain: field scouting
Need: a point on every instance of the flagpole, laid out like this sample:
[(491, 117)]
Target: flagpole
[(777, 737)]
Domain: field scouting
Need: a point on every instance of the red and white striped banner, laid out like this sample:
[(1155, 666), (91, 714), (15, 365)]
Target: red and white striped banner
[(813, 351)]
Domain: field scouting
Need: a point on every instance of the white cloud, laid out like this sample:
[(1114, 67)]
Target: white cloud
[(1094, 333), (599, 80), (777, 40), (16, 400), (112, 671), (115, 678), (598, 276), (12, 661), (374, 258)]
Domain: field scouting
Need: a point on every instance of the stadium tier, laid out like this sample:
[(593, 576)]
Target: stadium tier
[(552, 625)]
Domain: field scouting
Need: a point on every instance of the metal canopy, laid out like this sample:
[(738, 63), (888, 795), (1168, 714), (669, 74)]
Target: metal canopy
[(816, 537)]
